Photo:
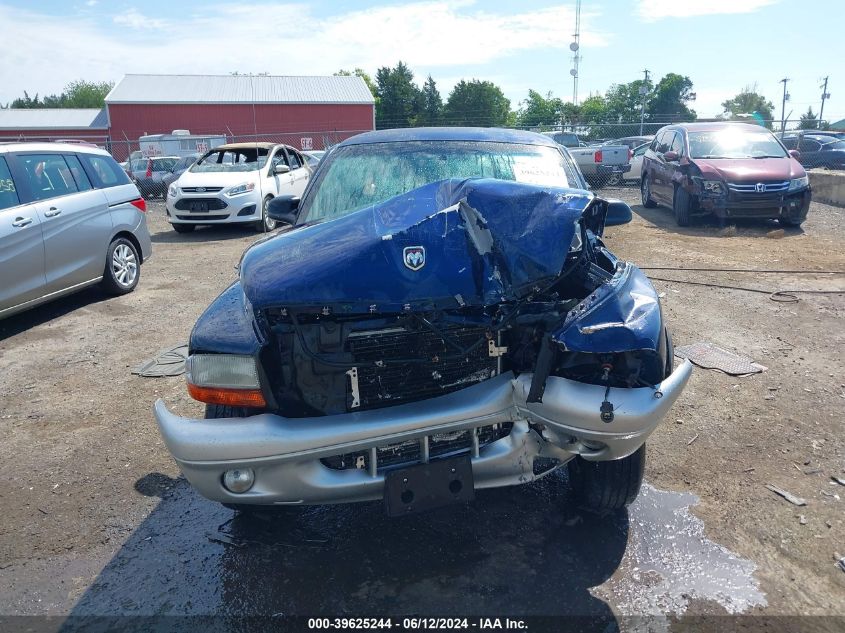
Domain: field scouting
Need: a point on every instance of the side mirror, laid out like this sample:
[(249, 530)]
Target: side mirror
[(283, 209), (795, 154), (671, 156), (618, 212), (281, 168)]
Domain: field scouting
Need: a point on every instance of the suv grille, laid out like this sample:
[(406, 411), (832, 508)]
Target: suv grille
[(435, 375), (758, 188), (201, 189)]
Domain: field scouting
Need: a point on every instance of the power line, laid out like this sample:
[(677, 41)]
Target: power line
[(825, 95), (784, 81)]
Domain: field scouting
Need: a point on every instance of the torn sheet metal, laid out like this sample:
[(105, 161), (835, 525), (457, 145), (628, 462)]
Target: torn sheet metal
[(619, 316), (709, 356), (485, 241)]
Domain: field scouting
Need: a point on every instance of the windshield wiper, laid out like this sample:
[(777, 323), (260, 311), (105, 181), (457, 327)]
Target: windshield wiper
[(768, 156)]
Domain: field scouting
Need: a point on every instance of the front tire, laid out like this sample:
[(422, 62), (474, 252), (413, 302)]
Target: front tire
[(681, 206), (645, 193), (266, 223), (607, 486), (123, 267)]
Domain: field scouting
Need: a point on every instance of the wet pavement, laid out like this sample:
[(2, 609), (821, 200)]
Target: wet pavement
[(520, 551)]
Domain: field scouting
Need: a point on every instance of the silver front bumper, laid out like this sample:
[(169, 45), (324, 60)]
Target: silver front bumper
[(285, 453)]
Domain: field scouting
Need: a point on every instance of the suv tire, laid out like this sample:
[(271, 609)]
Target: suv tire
[(123, 267), (645, 193), (607, 486), (681, 206)]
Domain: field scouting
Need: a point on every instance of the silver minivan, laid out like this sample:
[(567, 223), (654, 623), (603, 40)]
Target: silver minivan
[(69, 218)]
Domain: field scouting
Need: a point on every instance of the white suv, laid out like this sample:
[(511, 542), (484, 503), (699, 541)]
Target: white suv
[(233, 184)]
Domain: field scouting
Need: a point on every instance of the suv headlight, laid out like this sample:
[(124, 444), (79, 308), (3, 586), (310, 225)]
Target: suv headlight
[(799, 183), (243, 188), (172, 191), (712, 186)]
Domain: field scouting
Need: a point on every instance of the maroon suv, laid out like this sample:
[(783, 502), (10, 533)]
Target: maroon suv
[(732, 170)]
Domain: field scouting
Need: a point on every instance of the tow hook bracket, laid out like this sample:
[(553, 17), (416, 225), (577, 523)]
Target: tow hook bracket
[(607, 411)]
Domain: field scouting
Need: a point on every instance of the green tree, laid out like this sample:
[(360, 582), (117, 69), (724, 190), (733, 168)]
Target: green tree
[(477, 103), (809, 121), (538, 110), (77, 94), (593, 109), (86, 94), (669, 100), (358, 72), (623, 102), (749, 104), (398, 98), (431, 104)]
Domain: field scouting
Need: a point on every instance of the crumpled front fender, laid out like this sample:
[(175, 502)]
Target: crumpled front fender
[(619, 316)]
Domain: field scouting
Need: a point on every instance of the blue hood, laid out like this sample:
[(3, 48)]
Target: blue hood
[(484, 241)]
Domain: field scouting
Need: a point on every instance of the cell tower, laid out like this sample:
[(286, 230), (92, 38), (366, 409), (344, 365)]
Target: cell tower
[(575, 47)]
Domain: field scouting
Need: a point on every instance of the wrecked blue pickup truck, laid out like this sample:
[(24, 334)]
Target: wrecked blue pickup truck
[(442, 317)]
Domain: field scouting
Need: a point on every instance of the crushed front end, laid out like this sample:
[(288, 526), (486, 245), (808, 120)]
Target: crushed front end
[(482, 322)]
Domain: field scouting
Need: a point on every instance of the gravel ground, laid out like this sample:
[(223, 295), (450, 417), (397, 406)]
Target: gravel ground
[(89, 486)]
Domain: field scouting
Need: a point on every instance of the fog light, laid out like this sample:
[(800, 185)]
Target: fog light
[(238, 481)]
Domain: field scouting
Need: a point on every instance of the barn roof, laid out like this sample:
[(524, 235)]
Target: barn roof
[(53, 119), (196, 89)]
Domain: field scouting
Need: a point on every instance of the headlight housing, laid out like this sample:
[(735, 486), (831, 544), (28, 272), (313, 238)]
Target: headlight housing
[(172, 191), (228, 379), (241, 189), (712, 186), (799, 183)]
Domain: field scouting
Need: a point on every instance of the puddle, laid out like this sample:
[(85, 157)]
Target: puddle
[(669, 562)]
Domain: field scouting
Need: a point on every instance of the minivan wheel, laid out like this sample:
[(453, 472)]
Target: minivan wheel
[(607, 486), (681, 206), (183, 228), (645, 192), (266, 224), (123, 267)]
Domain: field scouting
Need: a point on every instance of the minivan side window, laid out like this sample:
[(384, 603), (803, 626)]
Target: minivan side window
[(49, 175), (662, 142), (8, 191), (678, 144), (79, 175), (107, 173)]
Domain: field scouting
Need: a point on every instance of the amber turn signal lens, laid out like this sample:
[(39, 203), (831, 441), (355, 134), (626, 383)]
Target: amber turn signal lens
[(228, 397)]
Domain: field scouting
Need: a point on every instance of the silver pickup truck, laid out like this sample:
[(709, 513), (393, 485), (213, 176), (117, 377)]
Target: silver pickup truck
[(600, 164)]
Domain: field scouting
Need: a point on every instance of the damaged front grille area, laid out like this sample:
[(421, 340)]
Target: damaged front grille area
[(379, 383), (419, 450)]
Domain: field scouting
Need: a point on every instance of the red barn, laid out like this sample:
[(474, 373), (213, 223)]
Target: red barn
[(306, 112), (48, 124)]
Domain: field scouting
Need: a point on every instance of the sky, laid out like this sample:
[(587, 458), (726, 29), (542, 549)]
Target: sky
[(722, 45)]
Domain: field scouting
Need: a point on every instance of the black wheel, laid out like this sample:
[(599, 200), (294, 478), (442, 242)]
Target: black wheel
[(607, 486), (681, 206), (123, 267), (183, 228), (645, 192), (266, 223)]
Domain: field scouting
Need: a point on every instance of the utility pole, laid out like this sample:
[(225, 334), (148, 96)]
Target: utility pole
[(825, 95), (643, 94), (783, 107)]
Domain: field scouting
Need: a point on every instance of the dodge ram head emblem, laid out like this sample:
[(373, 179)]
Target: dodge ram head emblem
[(414, 257)]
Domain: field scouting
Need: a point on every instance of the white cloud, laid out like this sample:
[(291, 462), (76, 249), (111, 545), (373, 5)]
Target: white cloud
[(651, 10), (246, 37), (90, 3), (136, 20)]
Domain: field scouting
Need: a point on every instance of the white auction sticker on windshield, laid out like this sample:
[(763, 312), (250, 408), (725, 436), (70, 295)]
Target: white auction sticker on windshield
[(538, 172)]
